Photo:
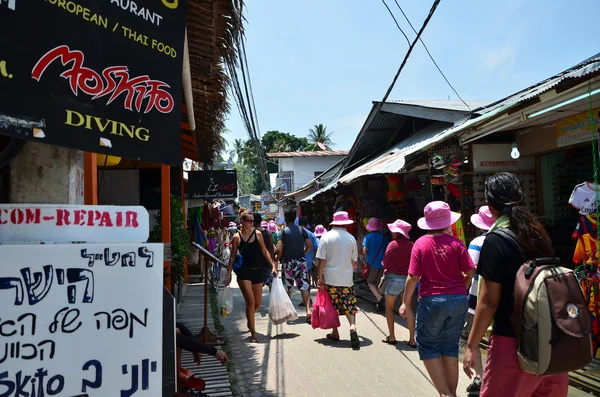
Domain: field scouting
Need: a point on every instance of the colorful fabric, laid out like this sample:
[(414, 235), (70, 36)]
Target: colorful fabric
[(586, 234), (440, 262), (397, 256), (343, 299), (295, 271)]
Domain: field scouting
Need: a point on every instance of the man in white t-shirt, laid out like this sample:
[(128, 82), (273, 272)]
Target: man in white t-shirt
[(337, 255)]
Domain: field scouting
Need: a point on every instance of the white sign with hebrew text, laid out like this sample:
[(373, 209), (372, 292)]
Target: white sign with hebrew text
[(81, 319)]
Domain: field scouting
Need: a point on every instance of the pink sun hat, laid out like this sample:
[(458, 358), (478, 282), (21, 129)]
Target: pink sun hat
[(483, 219), (264, 224), (272, 227), (320, 230), (374, 225), (437, 216), (400, 226), (340, 218), (232, 224)]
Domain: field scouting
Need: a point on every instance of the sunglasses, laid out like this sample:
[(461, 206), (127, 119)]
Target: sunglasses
[(249, 220)]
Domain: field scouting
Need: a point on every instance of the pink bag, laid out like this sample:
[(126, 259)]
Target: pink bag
[(326, 315)]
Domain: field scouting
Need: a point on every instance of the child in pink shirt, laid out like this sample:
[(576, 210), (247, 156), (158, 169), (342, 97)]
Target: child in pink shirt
[(444, 267)]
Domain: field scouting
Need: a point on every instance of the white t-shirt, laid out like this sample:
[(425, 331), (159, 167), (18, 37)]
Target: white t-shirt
[(584, 198), (338, 248), (474, 251)]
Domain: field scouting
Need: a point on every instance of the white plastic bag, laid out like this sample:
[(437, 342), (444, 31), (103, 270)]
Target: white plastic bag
[(225, 301), (281, 308)]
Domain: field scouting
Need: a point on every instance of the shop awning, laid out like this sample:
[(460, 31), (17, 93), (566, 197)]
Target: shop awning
[(332, 185), (393, 160)]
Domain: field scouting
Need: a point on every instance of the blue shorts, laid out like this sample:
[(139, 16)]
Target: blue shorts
[(394, 284), (440, 320)]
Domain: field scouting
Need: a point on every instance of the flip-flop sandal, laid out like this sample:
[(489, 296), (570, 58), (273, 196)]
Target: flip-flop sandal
[(331, 337), (254, 340), (354, 342), (388, 341), (410, 345), (308, 320)]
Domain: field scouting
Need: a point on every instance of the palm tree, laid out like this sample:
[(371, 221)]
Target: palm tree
[(319, 139), (237, 150)]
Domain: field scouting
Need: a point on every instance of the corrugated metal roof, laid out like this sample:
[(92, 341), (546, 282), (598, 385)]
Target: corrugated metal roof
[(316, 153), (443, 104), (320, 191), (582, 69), (393, 160)]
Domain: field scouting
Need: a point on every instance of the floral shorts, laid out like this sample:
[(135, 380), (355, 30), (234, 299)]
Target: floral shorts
[(343, 298)]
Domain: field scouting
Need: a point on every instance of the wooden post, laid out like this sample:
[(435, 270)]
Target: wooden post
[(185, 225), (90, 179), (165, 209)]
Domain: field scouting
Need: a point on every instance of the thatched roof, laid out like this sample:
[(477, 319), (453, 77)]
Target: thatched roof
[(212, 28)]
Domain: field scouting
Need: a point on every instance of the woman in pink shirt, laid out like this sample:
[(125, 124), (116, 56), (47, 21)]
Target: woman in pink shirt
[(443, 265)]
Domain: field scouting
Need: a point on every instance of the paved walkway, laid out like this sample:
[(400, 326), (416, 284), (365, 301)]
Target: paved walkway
[(295, 360)]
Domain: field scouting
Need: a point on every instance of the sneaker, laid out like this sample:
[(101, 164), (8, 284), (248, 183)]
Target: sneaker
[(474, 388)]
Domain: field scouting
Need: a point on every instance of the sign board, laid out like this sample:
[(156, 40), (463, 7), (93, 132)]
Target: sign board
[(577, 128), (266, 197), (495, 157), (114, 87), (151, 187), (81, 319), (51, 223), (212, 184)]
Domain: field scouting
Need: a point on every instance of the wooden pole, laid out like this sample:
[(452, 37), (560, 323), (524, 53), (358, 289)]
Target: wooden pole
[(90, 179), (185, 225), (165, 208)]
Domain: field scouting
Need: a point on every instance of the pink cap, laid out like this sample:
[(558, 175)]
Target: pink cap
[(232, 224), (272, 227), (341, 218), (437, 216), (374, 225), (400, 226), (264, 224), (483, 219), (320, 230)]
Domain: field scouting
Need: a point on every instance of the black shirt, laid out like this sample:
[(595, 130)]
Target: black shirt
[(499, 262), (293, 238)]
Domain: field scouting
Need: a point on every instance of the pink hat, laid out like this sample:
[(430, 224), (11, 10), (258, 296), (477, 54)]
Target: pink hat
[(340, 218), (263, 224), (232, 224), (437, 216), (484, 219), (320, 230), (400, 226), (374, 225), (272, 227)]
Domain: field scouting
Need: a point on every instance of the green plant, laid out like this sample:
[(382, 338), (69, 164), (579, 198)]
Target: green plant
[(180, 238)]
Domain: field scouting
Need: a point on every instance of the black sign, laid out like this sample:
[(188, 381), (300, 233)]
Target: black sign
[(212, 184), (97, 75), (151, 187)]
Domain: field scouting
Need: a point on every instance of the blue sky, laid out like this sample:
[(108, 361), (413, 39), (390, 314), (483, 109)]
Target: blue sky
[(325, 61)]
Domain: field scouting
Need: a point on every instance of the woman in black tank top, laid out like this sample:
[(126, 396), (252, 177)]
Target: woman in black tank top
[(249, 243)]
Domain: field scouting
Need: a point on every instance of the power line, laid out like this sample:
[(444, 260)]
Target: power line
[(424, 46), (410, 49)]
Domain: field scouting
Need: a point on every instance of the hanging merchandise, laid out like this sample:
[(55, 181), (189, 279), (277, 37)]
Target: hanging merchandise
[(395, 192), (583, 197)]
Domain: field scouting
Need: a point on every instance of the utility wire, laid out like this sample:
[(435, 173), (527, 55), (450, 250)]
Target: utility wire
[(424, 46), (410, 49)]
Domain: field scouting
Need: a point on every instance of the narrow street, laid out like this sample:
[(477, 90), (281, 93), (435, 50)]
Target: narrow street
[(295, 360)]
